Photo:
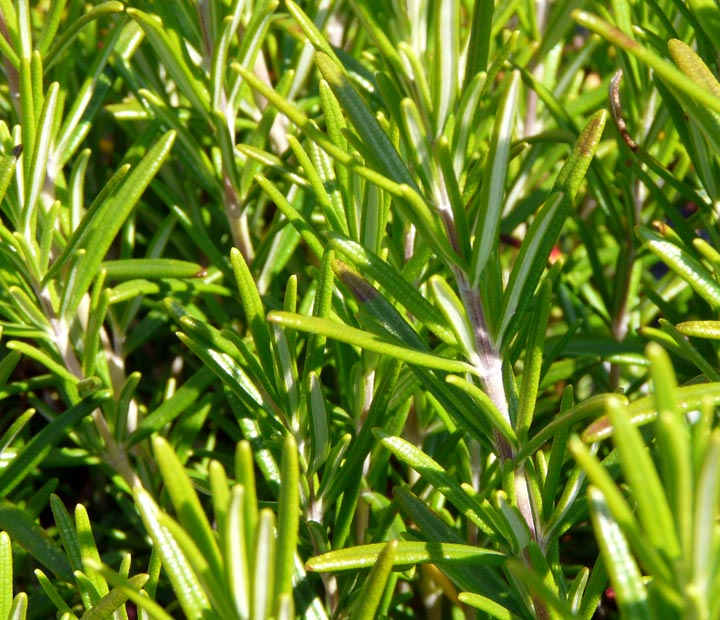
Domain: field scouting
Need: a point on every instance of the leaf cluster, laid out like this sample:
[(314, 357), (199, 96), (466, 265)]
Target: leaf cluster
[(359, 309)]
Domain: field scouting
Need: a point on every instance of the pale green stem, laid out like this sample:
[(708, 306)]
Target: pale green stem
[(115, 455)]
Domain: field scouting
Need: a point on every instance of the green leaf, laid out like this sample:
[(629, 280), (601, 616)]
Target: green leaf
[(89, 98), (7, 171), (319, 184), (7, 366), (238, 540), (706, 502), (140, 599), (449, 187), (544, 230), (433, 473), (455, 316), (385, 156), (151, 268), (288, 519), (220, 496), (492, 190), (319, 423), (19, 607), (49, 31), (545, 599), (51, 591), (533, 360), (652, 507), (212, 583), (254, 312), (624, 573), (407, 554), (309, 236), (172, 54), (230, 373), (68, 533), (6, 47), (80, 233), (445, 76), (264, 566), (111, 215), (286, 608), (350, 472), (367, 341), (622, 515), (39, 163), (43, 358), (187, 506), (88, 548), (28, 108), (113, 600), (185, 397), (674, 78), (372, 303), (409, 202), (220, 54), (45, 441), (55, 52), (126, 291), (245, 476), (6, 575), (688, 351), (124, 406), (688, 268), (480, 39), (588, 408), (188, 148), (190, 594), (370, 265), (643, 410), (316, 38), (372, 591), (490, 607), (414, 135), (478, 579), (496, 419), (29, 307), (25, 532), (692, 65)]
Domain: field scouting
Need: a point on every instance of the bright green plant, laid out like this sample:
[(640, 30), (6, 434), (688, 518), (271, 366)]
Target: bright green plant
[(246, 570), (11, 607), (673, 535), (326, 309)]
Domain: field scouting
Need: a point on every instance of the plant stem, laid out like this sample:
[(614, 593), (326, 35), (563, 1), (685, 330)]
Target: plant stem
[(490, 360), (115, 454), (237, 219)]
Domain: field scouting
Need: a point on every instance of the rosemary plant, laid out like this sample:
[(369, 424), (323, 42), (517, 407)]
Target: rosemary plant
[(359, 309)]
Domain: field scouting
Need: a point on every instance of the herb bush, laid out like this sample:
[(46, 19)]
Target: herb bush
[(359, 309)]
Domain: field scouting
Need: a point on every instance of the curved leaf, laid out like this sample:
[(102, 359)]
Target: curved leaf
[(406, 554), (111, 215), (367, 341)]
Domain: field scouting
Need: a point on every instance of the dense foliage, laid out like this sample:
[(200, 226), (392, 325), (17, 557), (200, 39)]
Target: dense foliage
[(359, 308)]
